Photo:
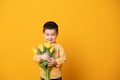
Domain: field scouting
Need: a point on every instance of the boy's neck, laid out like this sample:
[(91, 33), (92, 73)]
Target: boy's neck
[(51, 43)]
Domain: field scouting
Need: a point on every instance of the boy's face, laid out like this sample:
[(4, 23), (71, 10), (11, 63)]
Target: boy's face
[(50, 35)]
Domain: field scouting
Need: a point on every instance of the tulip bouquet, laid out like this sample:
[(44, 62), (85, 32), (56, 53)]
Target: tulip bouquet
[(45, 49)]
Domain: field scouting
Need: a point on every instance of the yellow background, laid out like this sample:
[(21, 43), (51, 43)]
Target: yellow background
[(88, 31)]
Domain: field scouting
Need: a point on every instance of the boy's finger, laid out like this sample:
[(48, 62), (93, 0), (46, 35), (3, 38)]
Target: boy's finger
[(49, 60)]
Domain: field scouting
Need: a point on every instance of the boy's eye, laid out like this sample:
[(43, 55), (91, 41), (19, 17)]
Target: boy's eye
[(47, 34), (53, 34)]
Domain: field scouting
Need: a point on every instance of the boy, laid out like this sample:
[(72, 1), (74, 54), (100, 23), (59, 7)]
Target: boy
[(50, 31)]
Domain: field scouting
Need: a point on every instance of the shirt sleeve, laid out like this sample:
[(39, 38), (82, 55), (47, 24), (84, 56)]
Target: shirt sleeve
[(36, 58), (62, 56)]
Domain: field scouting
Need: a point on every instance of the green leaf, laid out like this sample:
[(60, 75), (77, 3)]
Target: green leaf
[(38, 51)]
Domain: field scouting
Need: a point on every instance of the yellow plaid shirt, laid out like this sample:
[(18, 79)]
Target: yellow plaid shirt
[(60, 57)]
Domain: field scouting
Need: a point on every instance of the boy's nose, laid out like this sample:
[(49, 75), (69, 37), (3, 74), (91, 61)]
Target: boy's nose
[(50, 37)]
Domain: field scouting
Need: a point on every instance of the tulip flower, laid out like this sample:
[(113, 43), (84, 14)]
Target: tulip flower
[(52, 49), (34, 50), (41, 47), (47, 45)]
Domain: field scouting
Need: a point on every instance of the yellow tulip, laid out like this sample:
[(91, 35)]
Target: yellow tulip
[(51, 49), (47, 45), (41, 47), (34, 50)]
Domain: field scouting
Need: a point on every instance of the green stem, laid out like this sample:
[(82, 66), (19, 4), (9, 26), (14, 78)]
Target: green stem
[(47, 73)]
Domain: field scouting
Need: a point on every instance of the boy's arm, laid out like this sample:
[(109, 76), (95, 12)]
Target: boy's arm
[(62, 57), (36, 58)]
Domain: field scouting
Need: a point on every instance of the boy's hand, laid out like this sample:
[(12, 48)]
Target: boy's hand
[(51, 62), (44, 57)]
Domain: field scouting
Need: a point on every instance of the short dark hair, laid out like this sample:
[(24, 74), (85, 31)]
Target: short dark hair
[(50, 25)]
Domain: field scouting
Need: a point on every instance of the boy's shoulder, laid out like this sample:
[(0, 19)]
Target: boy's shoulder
[(58, 45)]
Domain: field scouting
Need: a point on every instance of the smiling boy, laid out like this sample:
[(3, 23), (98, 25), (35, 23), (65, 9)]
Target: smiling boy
[(50, 31)]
